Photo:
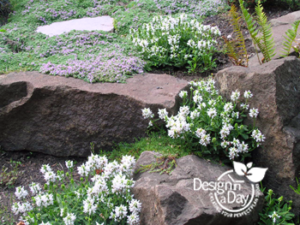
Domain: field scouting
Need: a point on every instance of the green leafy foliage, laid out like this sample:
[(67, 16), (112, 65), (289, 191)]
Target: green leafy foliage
[(290, 38), (267, 41), (178, 42), (297, 189), (276, 211), (264, 41), (211, 127)]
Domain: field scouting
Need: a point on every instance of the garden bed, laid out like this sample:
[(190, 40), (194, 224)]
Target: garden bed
[(23, 49)]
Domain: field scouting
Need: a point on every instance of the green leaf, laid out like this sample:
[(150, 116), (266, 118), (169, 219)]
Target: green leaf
[(290, 37)]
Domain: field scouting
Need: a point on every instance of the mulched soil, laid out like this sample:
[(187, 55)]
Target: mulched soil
[(29, 170)]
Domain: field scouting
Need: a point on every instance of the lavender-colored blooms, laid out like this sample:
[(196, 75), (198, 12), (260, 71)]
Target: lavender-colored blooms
[(109, 67), (196, 7)]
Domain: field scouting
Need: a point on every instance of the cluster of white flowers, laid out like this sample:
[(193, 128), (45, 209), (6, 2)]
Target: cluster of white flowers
[(147, 113), (69, 219), (258, 136), (69, 164), (235, 95), (207, 107), (169, 29), (115, 178), (118, 213), (21, 192), (162, 114), (49, 175), (183, 94), (44, 200), (274, 217), (19, 207), (134, 207), (121, 212), (108, 180), (120, 184), (35, 188), (127, 165), (90, 206), (178, 124), (204, 137), (94, 162), (237, 148), (253, 113)]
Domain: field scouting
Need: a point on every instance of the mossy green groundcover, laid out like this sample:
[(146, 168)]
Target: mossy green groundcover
[(93, 56)]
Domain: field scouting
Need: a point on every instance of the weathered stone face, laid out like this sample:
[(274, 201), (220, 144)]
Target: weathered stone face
[(172, 200), (276, 89), (61, 116)]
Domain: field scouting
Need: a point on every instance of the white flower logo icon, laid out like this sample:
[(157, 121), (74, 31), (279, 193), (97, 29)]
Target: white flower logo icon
[(255, 174)]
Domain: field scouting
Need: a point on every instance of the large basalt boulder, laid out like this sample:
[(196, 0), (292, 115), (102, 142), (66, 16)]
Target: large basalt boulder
[(172, 199), (276, 89), (61, 116)]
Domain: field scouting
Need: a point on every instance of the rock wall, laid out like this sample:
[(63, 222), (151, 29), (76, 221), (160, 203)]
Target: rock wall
[(276, 89)]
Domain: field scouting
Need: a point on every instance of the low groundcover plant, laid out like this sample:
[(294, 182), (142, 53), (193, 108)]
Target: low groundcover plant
[(209, 125), (101, 197), (276, 211)]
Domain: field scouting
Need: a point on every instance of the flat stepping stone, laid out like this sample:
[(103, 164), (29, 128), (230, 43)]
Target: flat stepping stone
[(102, 23)]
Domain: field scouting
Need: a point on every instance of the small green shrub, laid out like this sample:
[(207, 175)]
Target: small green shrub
[(211, 127), (178, 42), (276, 211), (102, 196)]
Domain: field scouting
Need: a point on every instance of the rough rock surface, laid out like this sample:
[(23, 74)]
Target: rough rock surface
[(61, 116), (104, 23), (276, 89), (172, 200), (279, 26)]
